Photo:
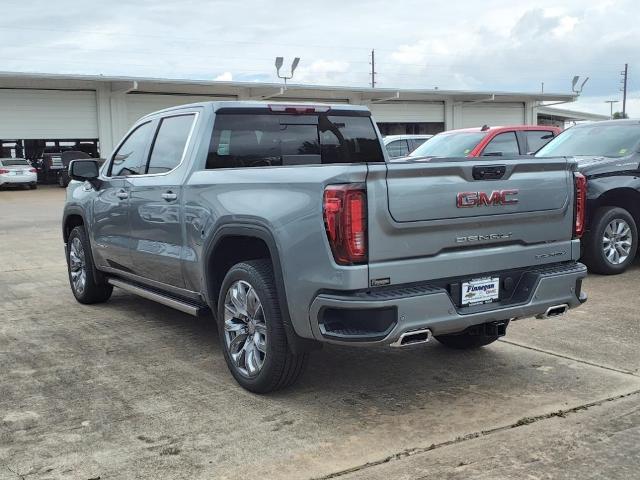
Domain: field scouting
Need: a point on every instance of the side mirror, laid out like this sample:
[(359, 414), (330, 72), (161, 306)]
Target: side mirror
[(84, 171)]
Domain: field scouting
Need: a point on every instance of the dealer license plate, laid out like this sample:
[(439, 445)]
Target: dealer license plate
[(480, 290)]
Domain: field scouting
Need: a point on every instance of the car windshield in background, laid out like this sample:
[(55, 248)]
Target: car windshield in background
[(457, 144), (594, 140), (14, 162)]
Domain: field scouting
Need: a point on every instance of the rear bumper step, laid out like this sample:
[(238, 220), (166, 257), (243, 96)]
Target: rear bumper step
[(401, 311)]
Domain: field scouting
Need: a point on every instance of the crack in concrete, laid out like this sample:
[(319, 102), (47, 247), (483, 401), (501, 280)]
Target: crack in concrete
[(20, 476), (566, 357), (470, 436)]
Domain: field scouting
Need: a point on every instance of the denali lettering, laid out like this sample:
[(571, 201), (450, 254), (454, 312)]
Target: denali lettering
[(484, 238), (482, 199)]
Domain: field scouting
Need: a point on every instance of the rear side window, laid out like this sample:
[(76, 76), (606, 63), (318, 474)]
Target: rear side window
[(260, 140), (130, 159), (170, 143), (502, 144), (536, 139), (398, 148), (13, 163)]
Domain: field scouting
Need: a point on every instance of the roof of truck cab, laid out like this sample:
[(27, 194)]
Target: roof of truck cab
[(249, 104)]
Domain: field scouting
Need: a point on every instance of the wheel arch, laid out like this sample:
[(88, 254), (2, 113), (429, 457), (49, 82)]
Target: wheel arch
[(623, 197), (256, 241)]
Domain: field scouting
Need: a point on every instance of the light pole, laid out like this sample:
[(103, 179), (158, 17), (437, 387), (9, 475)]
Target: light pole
[(611, 102), (294, 65)]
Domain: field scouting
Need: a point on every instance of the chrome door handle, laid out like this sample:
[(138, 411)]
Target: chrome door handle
[(169, 196), (122, 195)]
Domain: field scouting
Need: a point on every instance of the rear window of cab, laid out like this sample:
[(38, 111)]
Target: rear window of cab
[(267, 139)]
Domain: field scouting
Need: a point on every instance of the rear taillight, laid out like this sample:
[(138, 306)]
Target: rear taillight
[(345, 219), (33, 170), (581, 204), (3, 170)]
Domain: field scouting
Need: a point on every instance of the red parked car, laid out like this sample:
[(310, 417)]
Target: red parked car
[(487, 141)]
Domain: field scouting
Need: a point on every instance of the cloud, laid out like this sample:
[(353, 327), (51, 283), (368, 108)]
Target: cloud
[(488, 45), (224, 77)]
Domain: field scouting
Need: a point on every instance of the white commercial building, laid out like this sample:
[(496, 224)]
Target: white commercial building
[(39, 111)]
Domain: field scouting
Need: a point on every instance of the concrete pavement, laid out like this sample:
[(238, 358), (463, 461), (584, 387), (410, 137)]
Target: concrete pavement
[(132, 389)]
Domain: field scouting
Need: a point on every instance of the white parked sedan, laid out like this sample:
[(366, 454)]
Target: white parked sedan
[(17, 172), (403, 145)]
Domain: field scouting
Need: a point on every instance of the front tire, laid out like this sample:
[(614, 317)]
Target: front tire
[(252, 332), (85, 286), (610, 245)]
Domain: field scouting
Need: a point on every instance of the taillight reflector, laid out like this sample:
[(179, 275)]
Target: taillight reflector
[(3, 170), (345, 220), (581, 204), (33, 170)]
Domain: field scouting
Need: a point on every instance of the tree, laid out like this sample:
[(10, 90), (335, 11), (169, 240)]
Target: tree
[(619, 115)]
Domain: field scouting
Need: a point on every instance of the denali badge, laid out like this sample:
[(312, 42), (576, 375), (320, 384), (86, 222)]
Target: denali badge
[(482, 199), (484, 238)]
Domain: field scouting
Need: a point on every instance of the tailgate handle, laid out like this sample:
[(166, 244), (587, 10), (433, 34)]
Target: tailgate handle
[(489, 172)]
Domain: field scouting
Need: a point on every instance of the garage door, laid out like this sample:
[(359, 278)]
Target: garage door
[(490, 114), (139, 105), (397, 112), (50, 114)]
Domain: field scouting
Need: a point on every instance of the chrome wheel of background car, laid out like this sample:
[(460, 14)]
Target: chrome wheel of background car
[(617, 241), (245, 330), (77, 266)]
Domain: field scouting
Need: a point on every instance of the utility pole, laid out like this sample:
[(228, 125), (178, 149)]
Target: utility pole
[(624, 74), (373, 69), (542, 88)]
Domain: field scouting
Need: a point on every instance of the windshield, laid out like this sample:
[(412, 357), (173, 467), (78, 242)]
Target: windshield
[(13, 162), (457, 144), (594, 140)]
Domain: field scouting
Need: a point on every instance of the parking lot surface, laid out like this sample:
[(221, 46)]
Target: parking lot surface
[(132, 389)]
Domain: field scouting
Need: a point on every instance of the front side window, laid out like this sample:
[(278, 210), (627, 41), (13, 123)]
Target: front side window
[(169, 145), (502, 144), (130, 158), (536, 139), (259, 140)]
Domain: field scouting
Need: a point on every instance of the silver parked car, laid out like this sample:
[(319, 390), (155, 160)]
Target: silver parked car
[(17, 172), (403, 145)]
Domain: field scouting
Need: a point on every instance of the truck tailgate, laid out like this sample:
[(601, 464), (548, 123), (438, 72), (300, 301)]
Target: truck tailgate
[(451, 217)]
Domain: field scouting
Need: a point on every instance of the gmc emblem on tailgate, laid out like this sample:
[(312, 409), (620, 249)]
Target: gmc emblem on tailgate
[(482, 199)]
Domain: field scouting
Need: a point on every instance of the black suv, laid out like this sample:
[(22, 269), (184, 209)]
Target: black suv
[(608, 154)]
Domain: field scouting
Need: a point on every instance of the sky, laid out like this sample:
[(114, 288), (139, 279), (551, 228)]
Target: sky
[(460, 44)]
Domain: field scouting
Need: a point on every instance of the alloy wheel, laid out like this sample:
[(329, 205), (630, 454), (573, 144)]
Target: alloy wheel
[(77, 266), (617, 241), (245, 329)]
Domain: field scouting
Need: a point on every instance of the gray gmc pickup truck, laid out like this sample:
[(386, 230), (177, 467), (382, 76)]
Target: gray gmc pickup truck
[(288, 224)]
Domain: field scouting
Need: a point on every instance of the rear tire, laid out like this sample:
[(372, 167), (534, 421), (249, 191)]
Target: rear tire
[(252, 331), (611, 243), (33, 186), (465, 341), (85, 286)]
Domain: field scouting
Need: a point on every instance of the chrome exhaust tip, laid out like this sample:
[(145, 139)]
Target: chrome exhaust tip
[(413, 337), (554, 311)]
